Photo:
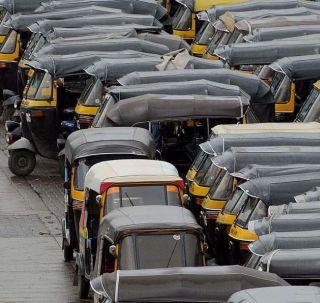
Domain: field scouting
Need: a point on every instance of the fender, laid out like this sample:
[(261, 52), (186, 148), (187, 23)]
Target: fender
[(80, 263), (12, 100), (22, 143)]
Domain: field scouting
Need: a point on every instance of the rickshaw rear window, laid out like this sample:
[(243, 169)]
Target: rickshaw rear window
[(40, 86), (222, 187), (252, 210), (182, 19), (160, 251), (137, 195)]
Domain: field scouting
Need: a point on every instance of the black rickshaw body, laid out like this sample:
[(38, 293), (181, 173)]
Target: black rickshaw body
[(261, 193), (233, 278), (83, 149)]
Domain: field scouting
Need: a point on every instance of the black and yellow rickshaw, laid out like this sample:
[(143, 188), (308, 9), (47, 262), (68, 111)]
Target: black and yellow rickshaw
[(258, 194), (291, 80), (209, 33), (49, 100), (157, 223), (83, 149), (184, 21), (143, 284), (288, 155)]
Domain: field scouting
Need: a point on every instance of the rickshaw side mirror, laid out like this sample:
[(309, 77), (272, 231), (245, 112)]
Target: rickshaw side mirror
[(158, 155), (67, 185), (186, 200), (113, 250), (98, 200)]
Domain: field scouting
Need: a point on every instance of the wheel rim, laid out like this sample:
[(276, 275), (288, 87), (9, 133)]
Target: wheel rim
[(22, 162)]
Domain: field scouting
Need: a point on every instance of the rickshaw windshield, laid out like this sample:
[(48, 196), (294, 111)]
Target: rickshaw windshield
[(137, 195), (182, 20), (280, 87), (178, 249), (205, 34), (9, 44), (79, 175), (222, 187), (210, 175), (4, 15), (254, 209), (40, 86), (200, 158), (202, 170), (101, 112), (92, 94), (305, 110), (37, 41), (234, 204)]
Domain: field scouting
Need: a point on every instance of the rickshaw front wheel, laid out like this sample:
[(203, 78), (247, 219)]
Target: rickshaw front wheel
[(21, 162)]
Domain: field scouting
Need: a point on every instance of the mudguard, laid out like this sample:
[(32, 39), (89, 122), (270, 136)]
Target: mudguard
[(12, 100), (22, 143)]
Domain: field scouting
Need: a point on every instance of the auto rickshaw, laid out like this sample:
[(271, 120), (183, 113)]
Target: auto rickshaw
[(83, 149), (260, 193), (184, 20), (294, 208), (273, 33), (128, 236), (291, 155), (294, 294), (173, 283), (209, 17), (211, 172), (297, 266), (291, 80), (48, 101), (262, 104)]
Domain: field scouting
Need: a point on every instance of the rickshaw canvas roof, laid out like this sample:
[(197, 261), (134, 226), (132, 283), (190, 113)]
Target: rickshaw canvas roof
[(178, 107), (256, 88), (184, 284), (310, 127), (298, 67), (291, 264), (215, 12), (272, 152), (158, 218), (128, 170), (107, 19), (295, 208), (98, 141), (292, 294), (148, 7), (266, 52), (20, 22), (19, 6), (277, 190), (285, 240), (311, 195), (62, 65), (272, 33)]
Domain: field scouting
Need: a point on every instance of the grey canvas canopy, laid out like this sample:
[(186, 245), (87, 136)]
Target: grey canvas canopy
[(280, 189), (145, 7), (272, 33), (151, 108), (285, 223), (62, 65), (257, 89), (146, 218), (261, 53), (285, 240), (184, 284), (311, 195), (103, 44), (288, 294), (20, 6), (272, 152), (253, 171), (295, 264), (214, 13), (20, 22), (295, 208), (296, 68), (107, 19), (101, 141)]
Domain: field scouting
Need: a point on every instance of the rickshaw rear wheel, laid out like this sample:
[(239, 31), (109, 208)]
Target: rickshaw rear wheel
[(67, 252), (84, 286), (21, 162)]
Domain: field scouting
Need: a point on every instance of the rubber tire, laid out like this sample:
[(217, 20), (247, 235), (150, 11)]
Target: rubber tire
[(83, 286), (15, 156), (67, 252)]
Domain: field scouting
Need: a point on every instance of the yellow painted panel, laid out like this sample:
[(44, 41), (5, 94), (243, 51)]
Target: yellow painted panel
[(86, 110), (241, 234)]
